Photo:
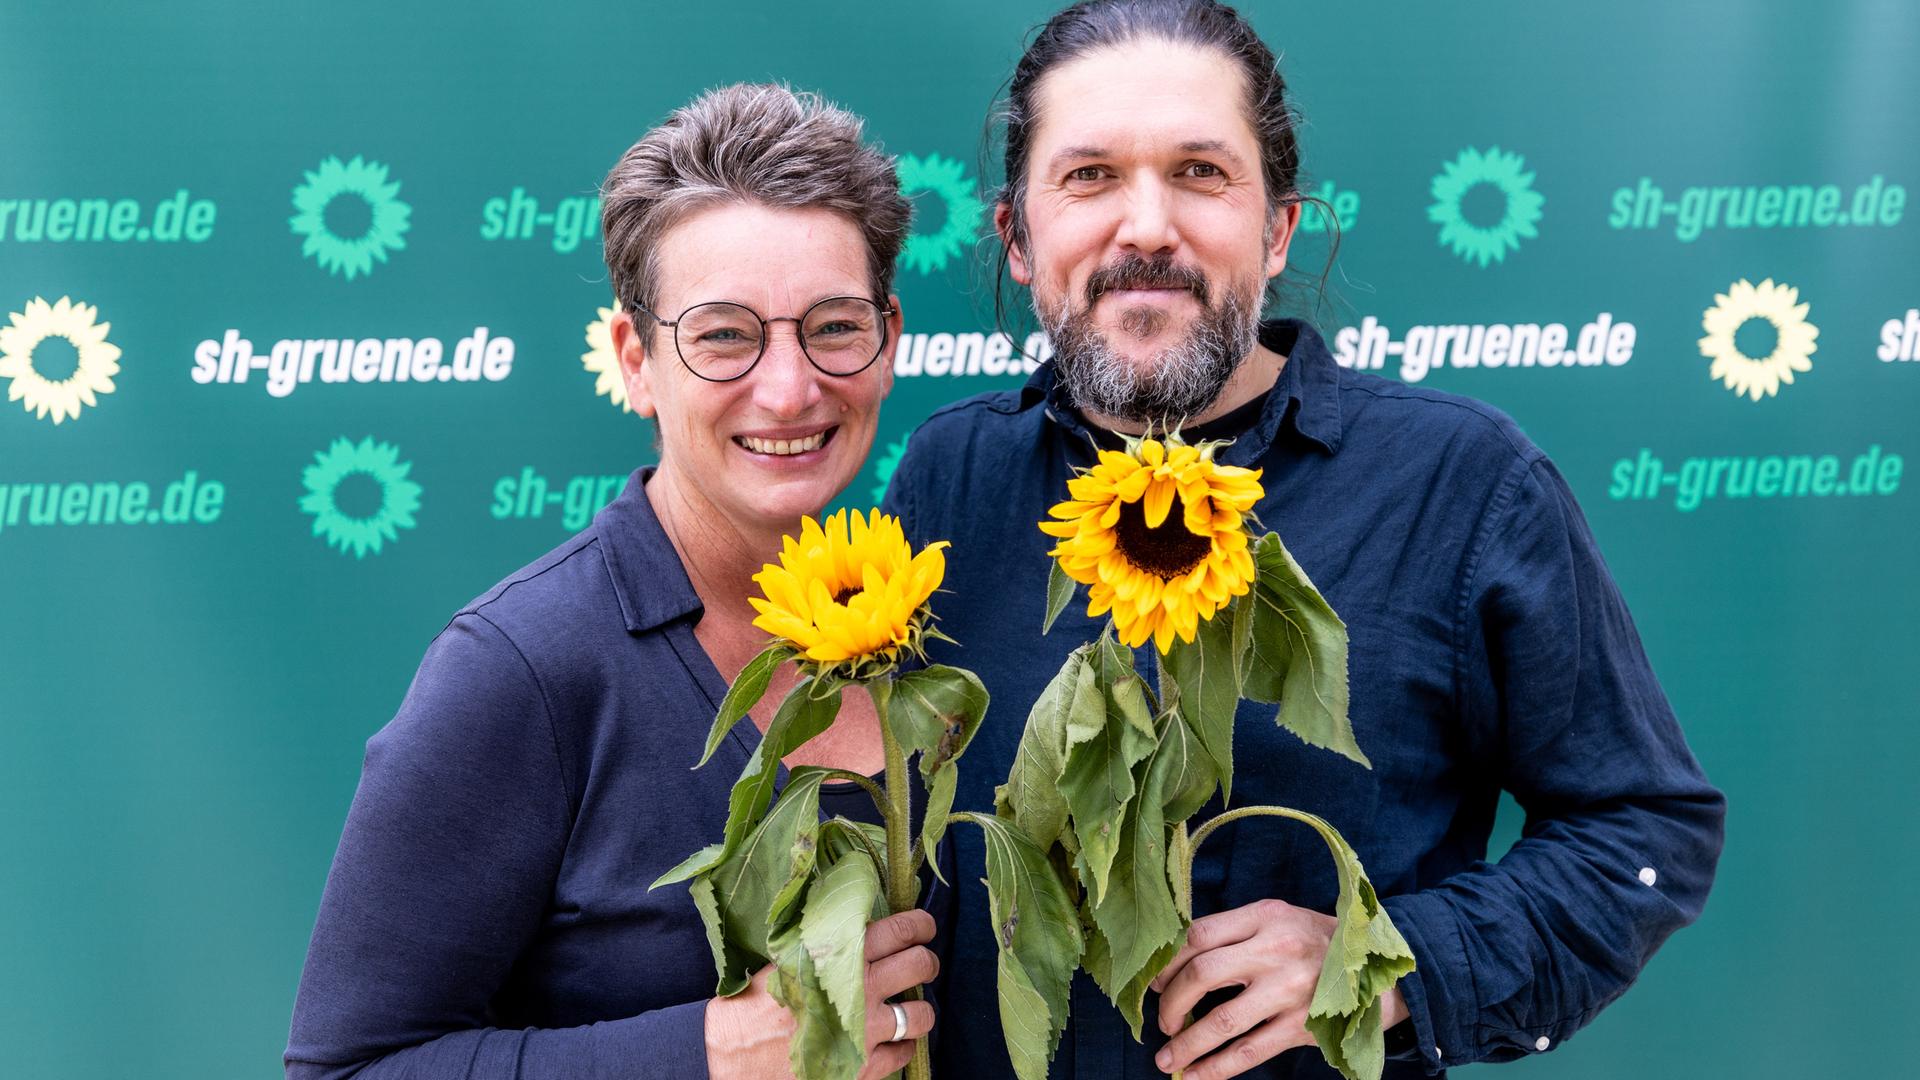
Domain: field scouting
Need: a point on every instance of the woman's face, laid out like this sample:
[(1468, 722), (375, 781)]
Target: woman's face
[(784, 439)]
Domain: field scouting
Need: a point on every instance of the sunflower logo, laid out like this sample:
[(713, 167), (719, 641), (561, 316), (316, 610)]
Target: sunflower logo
[(1502, 171), (98, 358), (850, 594), (927, 252), (387, 216), (1779, 307), (399, 496), (603, 362), (1159, 572), (884, 468)]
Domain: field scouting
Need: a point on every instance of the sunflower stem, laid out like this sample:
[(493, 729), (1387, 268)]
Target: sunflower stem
[(880, 800), (898, 814)]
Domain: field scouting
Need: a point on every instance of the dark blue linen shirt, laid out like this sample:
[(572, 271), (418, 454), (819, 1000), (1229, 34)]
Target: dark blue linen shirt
[(487, 914), (1490, 650)]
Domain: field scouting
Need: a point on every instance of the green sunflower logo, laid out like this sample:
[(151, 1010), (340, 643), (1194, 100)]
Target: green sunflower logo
[(884, 468), (1504, 174), (947, 178), (359, 534), (386, 216)]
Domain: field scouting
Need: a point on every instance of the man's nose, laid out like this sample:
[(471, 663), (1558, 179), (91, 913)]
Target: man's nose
[(1148, 225), (785, 382)]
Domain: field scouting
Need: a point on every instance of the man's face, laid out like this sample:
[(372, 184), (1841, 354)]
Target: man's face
[(1147, 245)]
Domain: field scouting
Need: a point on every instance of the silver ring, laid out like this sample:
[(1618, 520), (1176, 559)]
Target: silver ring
[(899, 1022)]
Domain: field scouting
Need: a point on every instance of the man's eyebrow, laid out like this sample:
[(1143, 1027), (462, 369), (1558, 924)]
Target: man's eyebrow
[(1076, 153), (1211, 146), (1191, 146)]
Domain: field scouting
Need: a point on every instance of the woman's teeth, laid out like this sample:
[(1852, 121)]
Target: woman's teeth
[(783, 447)]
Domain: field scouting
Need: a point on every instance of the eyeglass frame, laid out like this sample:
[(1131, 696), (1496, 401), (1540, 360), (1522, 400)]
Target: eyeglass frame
[(766, 334)]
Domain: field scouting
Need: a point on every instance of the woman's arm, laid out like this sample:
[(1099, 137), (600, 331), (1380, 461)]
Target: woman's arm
[(442, 879)]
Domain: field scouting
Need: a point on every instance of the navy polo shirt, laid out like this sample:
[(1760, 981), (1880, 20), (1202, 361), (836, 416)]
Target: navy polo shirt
[(1490, 650), (487, 913)]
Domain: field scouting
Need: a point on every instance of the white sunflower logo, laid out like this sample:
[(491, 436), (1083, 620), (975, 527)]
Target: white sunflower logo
[(1776, 305), (98, 360), (603, 362)]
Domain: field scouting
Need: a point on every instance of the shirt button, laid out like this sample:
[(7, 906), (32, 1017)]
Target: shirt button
[(1647, 876), (1542, 1043)]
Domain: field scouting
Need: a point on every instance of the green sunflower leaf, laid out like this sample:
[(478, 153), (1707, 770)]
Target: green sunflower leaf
[(1031, 797), (834, 929), (1365, 959), (1102, 749), (1136, 919), (1039, 936), (1299, 654), (1059, 593), (1209, 690), (745, 693), (747, 884), (934, 713), (821, 1047)]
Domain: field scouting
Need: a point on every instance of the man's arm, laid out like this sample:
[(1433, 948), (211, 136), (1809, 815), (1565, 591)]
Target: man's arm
[(1623, 830)]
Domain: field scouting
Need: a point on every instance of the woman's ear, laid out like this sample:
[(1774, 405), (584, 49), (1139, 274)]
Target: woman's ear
[(896, 325), (629, 347)]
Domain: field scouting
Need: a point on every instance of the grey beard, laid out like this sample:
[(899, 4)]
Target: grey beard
[(1182, 382)]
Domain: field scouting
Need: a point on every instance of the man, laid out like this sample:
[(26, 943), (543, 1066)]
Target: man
[(1151, 166)]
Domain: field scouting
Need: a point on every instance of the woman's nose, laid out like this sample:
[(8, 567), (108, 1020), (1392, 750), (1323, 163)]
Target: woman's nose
[(785, 382)]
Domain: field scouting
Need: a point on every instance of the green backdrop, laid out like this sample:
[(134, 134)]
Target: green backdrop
[(229, 588)]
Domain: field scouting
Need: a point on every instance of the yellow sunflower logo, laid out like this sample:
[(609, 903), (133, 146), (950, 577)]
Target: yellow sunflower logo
[(601, 360), (1775, 305), (850, 594), (1160, 573), (97, 359)]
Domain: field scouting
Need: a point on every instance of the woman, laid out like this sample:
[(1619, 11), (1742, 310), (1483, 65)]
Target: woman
[(487, 914)]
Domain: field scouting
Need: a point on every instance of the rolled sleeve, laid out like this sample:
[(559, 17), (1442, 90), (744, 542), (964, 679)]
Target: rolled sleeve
[(1623, 831)]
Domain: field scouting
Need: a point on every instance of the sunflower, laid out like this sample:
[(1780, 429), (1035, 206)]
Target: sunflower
[(1160, 573), (850, 595), (1793, 340)]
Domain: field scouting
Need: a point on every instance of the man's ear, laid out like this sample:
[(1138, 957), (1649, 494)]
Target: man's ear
[(1284, 224), (629, 347), (1016, 258)]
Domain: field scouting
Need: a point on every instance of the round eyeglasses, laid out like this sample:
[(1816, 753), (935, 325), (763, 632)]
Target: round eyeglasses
[(720, 341)]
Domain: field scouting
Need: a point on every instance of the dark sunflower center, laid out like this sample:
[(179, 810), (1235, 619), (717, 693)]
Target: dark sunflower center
[(1167, 551), (845, 595)]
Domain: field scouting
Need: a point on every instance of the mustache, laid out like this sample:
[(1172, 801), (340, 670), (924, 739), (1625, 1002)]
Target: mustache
[(1132, 271)]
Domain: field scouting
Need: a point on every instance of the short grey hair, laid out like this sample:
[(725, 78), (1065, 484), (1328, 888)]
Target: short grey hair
[(753, 143)]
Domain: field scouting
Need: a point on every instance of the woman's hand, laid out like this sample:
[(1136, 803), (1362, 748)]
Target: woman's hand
[(747, 1034)]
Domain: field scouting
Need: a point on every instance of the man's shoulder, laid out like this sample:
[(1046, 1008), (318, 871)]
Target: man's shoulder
[(994, 415), (1378, 410), (970, 433)]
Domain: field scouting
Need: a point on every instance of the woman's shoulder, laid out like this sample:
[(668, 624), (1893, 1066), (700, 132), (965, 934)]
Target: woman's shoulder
[(551, 612)]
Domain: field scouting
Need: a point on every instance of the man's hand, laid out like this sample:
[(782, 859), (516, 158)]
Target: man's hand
[(1271, 948), (748, 1034)]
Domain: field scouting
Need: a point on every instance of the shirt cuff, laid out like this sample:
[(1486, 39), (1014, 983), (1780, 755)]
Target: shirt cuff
[(1438, 992), (673, 1043)]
